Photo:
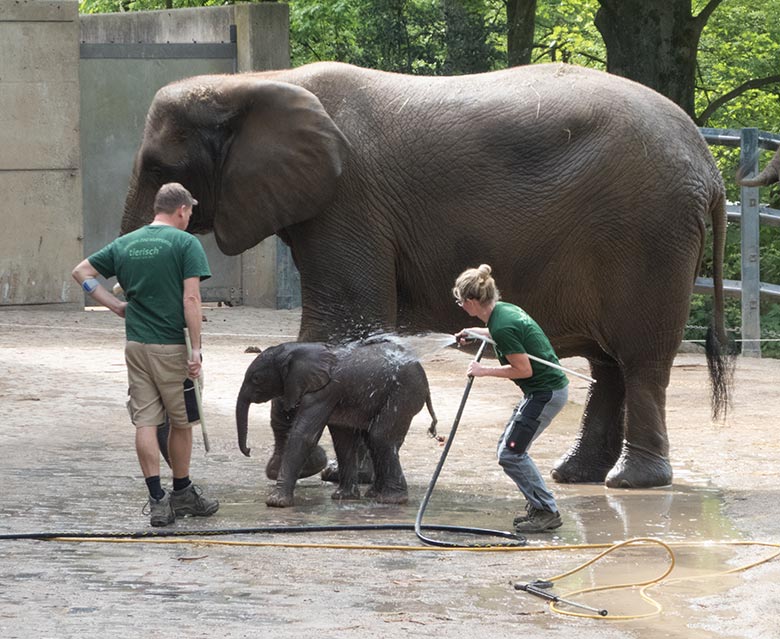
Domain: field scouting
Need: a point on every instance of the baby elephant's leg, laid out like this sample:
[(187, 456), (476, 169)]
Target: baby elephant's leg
[(346, 443)]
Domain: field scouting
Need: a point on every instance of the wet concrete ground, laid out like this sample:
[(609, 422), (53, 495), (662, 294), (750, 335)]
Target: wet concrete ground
[(67, 465)]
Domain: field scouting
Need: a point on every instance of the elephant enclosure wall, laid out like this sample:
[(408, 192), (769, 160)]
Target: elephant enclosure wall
[(71, 118), (40, 179)]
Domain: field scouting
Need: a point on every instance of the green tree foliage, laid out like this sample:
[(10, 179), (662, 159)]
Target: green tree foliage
[(739, 59)]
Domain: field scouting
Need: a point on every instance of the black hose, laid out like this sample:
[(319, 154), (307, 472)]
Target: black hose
[(517, 540), (149, 534)]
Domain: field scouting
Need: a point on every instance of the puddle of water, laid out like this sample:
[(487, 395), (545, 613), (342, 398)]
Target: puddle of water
[(594, 514)]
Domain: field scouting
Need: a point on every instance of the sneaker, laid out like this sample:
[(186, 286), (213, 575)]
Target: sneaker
[(521, 518), (539, 521), (192, 501), (160, 511)]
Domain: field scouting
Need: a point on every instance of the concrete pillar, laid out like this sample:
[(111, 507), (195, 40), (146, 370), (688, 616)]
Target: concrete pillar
[(40, 179)]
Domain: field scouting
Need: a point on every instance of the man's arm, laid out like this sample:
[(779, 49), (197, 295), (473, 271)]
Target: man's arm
[(86, 275), (193, 317)]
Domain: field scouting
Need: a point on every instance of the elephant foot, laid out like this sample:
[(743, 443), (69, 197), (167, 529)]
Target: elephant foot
[(639, 468), (315, 462), (575, 469), (279, 499), (387, 496), (331, 473), (346, 494)]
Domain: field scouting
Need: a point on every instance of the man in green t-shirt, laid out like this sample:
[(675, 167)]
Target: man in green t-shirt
[(159, 267), (545, 388)]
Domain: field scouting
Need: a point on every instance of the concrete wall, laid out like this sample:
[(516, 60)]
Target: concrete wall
[(262, 44), (40, 159), (263, 30), (40, 181)]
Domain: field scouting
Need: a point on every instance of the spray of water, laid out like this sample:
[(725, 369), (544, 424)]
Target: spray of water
[(420, 346)]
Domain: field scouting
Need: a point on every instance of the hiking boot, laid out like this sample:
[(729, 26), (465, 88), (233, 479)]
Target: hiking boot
[(539, 521), (160, 511), (192, 501), (521, 518)]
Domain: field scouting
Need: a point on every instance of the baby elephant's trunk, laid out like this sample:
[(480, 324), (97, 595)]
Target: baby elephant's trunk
[(242, 422)]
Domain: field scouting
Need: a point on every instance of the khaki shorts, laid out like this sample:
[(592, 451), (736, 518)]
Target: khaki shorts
[(158, 384)]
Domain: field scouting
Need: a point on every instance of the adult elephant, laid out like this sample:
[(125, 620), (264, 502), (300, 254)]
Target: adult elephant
[(587, 193)]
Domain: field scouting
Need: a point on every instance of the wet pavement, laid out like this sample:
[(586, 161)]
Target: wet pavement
[(67, 466)]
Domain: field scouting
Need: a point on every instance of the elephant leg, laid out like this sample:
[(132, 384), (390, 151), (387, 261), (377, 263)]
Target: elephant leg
[(644, 458), (163, 430), (385, 438), (280, 426), (599, 442), (302, 439), (365, 467), (345, 442), (281, 422)]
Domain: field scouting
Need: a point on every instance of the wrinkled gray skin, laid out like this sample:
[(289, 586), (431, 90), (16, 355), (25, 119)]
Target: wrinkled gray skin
[(362, 391), (770, 174), (587, 193)]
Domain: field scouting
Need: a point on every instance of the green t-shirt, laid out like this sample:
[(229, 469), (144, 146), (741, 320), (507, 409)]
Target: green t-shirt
[(151, 265), (515, 331)]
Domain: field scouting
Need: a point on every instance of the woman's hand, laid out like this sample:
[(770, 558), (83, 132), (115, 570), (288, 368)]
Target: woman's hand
[(476, 369), (462, 336)]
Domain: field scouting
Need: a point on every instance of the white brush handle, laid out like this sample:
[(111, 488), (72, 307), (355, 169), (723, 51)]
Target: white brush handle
[(476, 335), (198, 400)]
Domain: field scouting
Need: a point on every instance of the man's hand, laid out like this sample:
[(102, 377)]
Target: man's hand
[(194, 365)]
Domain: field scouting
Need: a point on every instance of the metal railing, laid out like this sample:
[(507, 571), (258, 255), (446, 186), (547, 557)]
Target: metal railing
[(750, 216)]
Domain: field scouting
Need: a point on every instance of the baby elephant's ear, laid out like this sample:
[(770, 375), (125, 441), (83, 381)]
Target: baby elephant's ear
[(306, 371), (281, 164)]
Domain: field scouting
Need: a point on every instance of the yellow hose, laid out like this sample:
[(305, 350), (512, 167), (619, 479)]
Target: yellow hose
[(643, 586)]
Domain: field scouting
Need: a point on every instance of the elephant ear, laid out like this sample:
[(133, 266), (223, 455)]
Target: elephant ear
[(281, 162), (306, 370)]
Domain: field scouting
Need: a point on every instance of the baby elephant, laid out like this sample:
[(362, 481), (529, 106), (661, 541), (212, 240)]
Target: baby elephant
[(361, 390)]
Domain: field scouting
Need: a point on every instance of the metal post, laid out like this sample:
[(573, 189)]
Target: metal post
[(751, 284), (234, 41), (288, 280)]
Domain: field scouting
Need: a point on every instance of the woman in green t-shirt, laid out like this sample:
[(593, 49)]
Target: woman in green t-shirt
[(545, 389)]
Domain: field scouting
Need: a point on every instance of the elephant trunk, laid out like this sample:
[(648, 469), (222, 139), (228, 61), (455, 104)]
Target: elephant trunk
[(139, 204), (242, 422), (770, 174)]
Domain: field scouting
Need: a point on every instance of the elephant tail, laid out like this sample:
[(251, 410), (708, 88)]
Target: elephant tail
[(434, 419), (720, 353)]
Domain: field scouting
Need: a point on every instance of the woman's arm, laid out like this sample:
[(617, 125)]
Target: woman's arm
[(519, 367)]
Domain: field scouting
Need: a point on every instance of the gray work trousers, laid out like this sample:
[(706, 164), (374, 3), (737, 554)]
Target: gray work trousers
[(529, 419)]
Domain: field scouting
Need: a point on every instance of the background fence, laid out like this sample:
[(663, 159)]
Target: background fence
[(750, 215)]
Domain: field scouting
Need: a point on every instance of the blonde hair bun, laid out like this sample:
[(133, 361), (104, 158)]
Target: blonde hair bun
[(477, 284)]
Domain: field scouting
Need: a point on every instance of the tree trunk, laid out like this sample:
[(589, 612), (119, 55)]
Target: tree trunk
[(654, 42), (467, 48), (521, 20)]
